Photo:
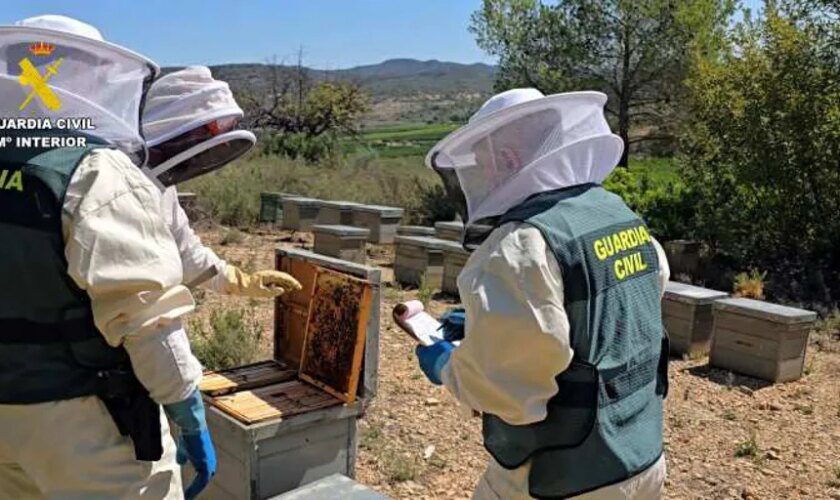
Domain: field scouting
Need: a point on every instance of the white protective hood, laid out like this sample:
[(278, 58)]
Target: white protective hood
[(521, 143), (180, 104), (92, 78), (184, 100)]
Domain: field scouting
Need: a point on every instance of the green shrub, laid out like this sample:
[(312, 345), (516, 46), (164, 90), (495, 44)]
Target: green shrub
[(231, 339), (666, 204), (425, 291), (300, 146), (231, 236), (761, 152), (748, 447)]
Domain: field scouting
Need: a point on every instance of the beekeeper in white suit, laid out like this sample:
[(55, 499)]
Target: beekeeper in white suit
[(190, 124), (564, 351), (91, 342)]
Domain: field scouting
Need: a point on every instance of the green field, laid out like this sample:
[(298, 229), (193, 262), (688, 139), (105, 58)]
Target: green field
[(398, 140), (415, 139)]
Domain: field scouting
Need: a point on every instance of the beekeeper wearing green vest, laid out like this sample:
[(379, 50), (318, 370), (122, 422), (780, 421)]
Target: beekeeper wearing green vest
[(564, 353), (91, 341)]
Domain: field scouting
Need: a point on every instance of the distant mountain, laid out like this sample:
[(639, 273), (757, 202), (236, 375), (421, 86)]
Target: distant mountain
[(401, 89), (398, 77)]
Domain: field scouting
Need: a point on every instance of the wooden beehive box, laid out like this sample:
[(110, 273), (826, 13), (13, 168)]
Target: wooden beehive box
[(289, 421), (382, 221), (454, 259), (415, 231), (452, 231), (336, 213), (271, 207), (341, 242), (416, 256), (760, 339), (299, 213), (687, 316)]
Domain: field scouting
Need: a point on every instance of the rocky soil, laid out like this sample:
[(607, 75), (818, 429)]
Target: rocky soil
[(727, 436)]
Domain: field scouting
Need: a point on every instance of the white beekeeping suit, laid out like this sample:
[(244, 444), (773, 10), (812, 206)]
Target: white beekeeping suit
[(517, 332), (190, 122), (120, 253)]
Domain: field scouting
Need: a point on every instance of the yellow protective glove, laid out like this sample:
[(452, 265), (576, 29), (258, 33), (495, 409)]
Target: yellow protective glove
[(261, 284)]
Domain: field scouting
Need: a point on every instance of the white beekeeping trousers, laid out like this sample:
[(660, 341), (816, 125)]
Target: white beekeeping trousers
[(72, 450), (498, 483)]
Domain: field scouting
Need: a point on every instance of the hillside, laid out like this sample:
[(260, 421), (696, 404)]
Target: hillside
[(402, 90)]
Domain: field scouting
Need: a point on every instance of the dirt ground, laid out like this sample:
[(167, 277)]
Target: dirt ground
[(727, 436)]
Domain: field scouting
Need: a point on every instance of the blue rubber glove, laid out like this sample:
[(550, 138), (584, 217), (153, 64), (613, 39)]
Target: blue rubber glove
[(195, 444), (433, 358), (452, 324)]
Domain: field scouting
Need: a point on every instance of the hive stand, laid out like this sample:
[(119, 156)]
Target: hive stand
[(417, 256), (757, 338), (336, 212), (299, 214), (342, 242), (382, 221), (687, 315), (416, 231), (277, 455), (452, 231), (454, 260)]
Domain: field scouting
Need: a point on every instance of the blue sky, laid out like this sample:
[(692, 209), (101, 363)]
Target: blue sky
[(333, 33)]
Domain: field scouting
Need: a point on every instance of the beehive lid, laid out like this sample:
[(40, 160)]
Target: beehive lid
[(277, 194), (182, 196), (765, 310), (344, 205), (331, 488), (690, 294), (415, 231), (454, 247), (300, 200), (421, 241), (450, 225), (341, 230), (381, 210)]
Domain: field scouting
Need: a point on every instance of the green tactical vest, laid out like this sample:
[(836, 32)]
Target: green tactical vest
[(50, 348), (604, 425)]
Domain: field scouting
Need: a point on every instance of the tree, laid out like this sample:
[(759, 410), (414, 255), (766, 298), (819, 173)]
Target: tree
[(762, 152), (635, 51), (304, 116)]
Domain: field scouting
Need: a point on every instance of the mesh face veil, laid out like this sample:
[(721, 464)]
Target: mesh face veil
[(90, 78), (521, 143)]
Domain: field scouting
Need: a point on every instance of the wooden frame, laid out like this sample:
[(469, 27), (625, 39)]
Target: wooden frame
[(280, 400), (219, 383), (330, 287)]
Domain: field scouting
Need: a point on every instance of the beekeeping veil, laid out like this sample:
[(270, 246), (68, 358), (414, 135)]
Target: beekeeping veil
[(86, 77), (520, 143), (190, 123)]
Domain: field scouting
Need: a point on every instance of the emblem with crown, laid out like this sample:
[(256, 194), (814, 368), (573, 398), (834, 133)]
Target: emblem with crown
[(41, 48)]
